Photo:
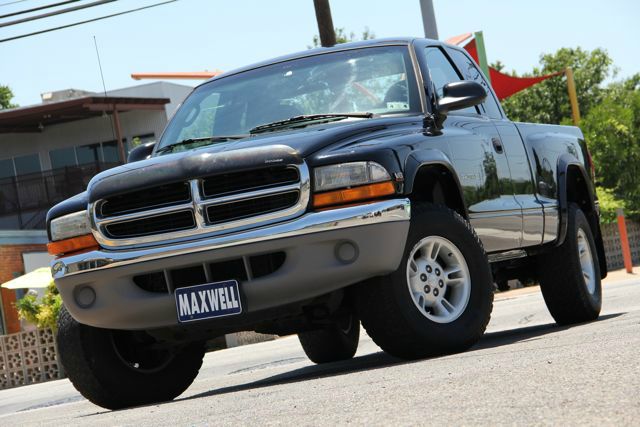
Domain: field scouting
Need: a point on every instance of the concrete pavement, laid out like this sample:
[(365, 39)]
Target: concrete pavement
[(526, 370)]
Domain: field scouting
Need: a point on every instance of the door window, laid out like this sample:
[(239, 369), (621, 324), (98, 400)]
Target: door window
[(443, 72), (471, 72)]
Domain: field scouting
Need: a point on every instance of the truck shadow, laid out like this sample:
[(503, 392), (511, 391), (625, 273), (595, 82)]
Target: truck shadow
[(381, 360)]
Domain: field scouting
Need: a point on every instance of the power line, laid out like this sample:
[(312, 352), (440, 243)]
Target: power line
[(12, 2), (85, 22), (35, 9), (56, 12)]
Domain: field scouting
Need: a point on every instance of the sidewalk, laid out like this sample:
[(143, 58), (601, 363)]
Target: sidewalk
[(613, 276)]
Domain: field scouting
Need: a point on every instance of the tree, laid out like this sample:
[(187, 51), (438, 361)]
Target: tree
[(5, 98), (343, 37), (548, 101), (612, 131), (610, 120)]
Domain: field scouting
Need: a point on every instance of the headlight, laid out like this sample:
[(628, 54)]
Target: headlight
[(349, 175), (349, 183), (71, 225)]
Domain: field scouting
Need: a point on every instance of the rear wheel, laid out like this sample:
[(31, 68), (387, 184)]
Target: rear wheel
[(118, 369), (570, 274), (439, 301), (338, 342)]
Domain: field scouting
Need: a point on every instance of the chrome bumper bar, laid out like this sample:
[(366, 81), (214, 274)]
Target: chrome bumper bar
[(314, 222)]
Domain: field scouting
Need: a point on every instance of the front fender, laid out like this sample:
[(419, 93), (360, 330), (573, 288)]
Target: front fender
[(425, 158)]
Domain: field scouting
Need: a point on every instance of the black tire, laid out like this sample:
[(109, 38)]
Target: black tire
[(338, 342), (503, 285), (389, 314), (563, 285), (100, 373)]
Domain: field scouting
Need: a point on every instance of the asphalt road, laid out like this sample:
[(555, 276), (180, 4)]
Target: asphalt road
[(526, 370)]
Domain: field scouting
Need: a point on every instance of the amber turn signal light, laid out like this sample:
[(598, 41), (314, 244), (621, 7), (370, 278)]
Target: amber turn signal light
[(356, 194), (73, 244)]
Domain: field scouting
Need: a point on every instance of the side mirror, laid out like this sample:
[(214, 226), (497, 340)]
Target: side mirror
[(459, 95), (141, 152)]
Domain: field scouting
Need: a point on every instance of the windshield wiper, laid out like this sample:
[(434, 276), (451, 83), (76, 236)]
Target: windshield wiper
[(212, 139), (306, 120)]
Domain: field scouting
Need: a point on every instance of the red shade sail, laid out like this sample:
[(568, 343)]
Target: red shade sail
[(503, 84)]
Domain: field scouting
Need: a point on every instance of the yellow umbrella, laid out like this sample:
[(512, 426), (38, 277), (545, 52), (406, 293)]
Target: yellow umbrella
[(39, 278)]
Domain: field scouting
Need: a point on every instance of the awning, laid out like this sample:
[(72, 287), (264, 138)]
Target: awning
[(503, 84), (39, 278), (35, 118)]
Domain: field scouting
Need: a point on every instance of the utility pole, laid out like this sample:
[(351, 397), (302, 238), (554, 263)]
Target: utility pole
[(325, 23), (429, 19)]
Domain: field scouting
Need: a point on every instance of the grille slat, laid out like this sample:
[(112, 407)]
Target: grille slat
[(182, 220), (214, 204), (237, 182), (251, 207), (163, 195)]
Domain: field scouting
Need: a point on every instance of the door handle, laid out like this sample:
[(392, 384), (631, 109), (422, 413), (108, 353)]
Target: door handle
[(497, 145)]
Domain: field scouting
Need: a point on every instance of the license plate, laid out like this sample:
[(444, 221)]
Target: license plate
[(208, 301)]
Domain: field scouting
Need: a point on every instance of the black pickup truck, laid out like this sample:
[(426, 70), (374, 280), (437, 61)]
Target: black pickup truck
[(376, 182)]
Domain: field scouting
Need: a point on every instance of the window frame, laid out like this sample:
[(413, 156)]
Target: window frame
[(490, 92), (427, 78)]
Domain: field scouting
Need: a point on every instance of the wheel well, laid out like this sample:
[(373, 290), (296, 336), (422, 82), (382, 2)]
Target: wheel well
[(436, 184), (577, 191)]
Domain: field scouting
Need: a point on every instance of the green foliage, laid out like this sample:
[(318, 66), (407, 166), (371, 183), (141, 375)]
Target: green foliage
[(548, 101), (6, 95), (610, 120), (44, 313), (609, 205), (343, 37), (612, 131)]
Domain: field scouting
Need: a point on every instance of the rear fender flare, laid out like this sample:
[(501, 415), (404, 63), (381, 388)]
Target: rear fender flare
[(567, 162)]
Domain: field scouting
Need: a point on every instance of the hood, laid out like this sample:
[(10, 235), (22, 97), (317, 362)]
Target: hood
[(287, 147)]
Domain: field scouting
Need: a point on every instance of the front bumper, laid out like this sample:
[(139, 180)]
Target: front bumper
[(311, 268)]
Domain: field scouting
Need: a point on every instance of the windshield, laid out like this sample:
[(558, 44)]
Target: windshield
[(379, 80)]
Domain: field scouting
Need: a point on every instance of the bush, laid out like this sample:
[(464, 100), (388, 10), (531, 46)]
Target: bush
[(44, 313), (610, 203)]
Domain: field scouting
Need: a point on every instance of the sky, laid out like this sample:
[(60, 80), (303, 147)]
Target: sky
[(197, 35)]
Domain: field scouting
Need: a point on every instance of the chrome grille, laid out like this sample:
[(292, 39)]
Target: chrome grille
[(258, 179), (155, 197), (210, 206)]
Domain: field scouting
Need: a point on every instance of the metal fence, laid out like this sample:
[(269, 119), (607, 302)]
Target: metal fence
[(25, 199)]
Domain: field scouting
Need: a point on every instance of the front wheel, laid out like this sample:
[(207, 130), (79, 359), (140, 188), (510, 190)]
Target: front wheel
[(439, 301), (119, 369)]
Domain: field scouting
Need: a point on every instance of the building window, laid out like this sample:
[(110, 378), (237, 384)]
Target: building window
[(27, 164), (110, 152), (62, 157), (88, 154), (6, 168)]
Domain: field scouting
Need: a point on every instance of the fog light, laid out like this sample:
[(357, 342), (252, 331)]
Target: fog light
[(85, 296), (347, 252)]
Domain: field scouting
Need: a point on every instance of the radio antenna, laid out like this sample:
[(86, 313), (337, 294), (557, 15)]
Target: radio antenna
[(104, 89)]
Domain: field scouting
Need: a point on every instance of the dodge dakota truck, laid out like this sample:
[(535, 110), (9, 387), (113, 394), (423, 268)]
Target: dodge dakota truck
[(375, 183)]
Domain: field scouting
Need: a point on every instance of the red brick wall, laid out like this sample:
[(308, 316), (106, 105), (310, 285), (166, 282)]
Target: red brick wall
[(10, 263)]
